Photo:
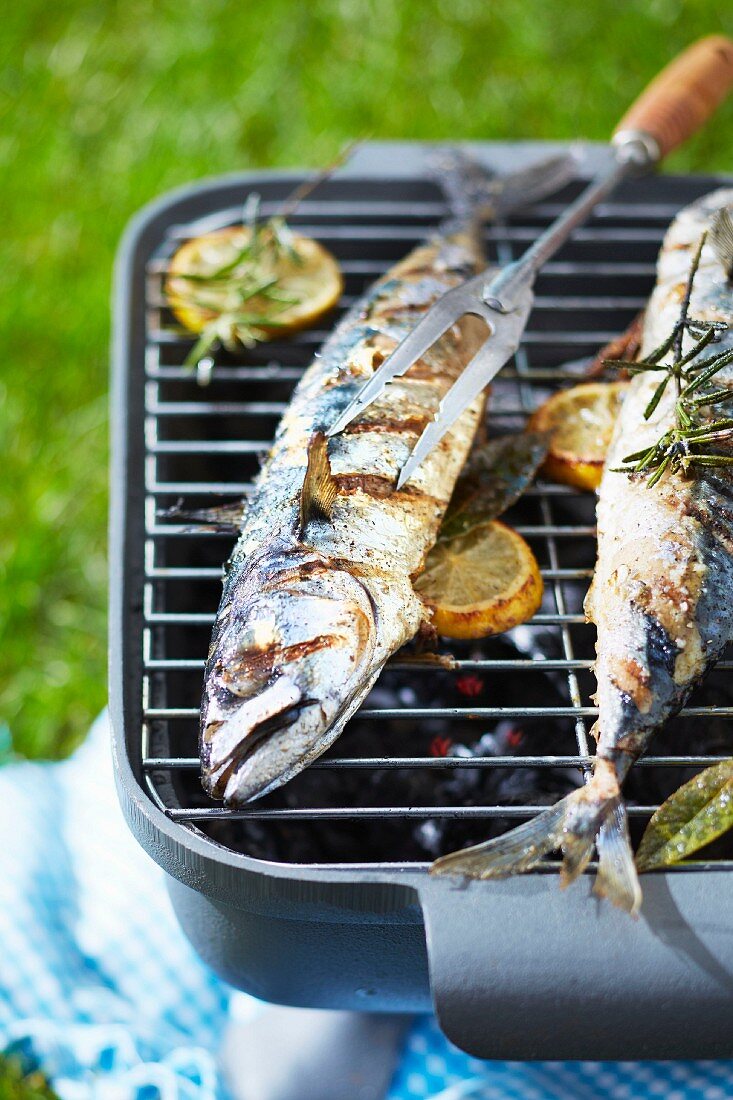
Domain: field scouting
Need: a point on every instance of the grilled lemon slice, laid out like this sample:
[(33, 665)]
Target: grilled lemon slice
[(580, 424), (481, 583), (212, 277)]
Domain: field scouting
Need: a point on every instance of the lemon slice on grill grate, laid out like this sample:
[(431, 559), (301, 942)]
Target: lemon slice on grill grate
[(482, 583), (580, 424), (216, 276)]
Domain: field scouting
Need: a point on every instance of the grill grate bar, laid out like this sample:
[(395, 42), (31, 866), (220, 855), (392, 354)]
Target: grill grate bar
[(411, 235), (180, 530), (372, 269), (203, 618), (314, 338), (230, 488), (338, 813), (254, 408), (425, 666), (377, 714), (209, 447), (430, 211), (553, 302), (457, 665), (180, 763), (215, 574), (254, 373)]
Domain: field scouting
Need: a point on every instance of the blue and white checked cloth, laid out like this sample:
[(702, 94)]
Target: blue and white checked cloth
[(100, 988)]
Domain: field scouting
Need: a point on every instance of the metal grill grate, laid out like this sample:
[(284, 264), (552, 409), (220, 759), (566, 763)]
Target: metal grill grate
[(529, 691)]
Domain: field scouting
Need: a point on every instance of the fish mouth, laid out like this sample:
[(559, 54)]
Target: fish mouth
[(239, 780), (237, 731)]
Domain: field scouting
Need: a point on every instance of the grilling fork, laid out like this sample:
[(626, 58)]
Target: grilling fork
[(679, 101)]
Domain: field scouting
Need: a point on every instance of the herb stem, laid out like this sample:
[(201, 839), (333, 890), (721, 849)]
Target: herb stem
[(679, 335), (682, 446)]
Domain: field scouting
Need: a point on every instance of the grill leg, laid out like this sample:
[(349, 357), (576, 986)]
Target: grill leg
[(312, 1054)]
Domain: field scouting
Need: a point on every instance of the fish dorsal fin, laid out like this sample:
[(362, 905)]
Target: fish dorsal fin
[(721, 238), (319, 484)]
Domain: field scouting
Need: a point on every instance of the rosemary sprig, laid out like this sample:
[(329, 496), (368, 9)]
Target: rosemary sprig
[(248, 275), (694, 440), (238, 324)]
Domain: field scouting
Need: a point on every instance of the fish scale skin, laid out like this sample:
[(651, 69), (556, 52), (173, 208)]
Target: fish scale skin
[(661, 594), (308, 619)]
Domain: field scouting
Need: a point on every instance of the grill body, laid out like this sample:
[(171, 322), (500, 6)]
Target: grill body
[(515, 969)]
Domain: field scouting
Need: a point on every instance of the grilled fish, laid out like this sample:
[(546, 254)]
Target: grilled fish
[(662, 593), (318, 593)]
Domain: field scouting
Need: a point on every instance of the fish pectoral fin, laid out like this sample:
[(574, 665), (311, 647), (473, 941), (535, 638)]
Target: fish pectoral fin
[(319, 485), (226, 518)]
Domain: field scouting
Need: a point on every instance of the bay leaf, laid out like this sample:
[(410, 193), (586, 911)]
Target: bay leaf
[(696, 814), (494, 477)]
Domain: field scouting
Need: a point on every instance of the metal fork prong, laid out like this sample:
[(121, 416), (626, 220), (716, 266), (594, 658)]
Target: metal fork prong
[(444, 313), (485, 365)]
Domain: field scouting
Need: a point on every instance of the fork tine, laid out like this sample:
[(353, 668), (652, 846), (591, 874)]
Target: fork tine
[(498, 348), (485, 365), (444, 313)]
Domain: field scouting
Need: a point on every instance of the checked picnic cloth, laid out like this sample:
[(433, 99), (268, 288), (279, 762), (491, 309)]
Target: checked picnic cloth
[(100, 989)]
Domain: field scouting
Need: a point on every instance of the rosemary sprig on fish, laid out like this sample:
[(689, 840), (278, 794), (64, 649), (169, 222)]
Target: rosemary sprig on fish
[(661, 593), (693, 440)]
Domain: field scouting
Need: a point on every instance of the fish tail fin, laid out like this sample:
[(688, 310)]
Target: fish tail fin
[(617, 879), (476, 193), (593, 814), (470, 187), (518, 850)]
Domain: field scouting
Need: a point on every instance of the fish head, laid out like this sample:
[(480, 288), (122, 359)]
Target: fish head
[(291, 656)]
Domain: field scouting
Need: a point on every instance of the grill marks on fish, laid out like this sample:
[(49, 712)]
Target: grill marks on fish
[(259, 664), (660, 598), (380, 488), (412, 424)]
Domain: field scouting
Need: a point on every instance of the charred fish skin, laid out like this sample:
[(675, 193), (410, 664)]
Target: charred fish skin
[(660, 597), (311, 610)]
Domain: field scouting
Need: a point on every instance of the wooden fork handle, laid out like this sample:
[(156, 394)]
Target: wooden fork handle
[(683, 97)]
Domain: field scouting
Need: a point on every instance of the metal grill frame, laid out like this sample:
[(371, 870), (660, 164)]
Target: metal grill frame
[(171, 832)]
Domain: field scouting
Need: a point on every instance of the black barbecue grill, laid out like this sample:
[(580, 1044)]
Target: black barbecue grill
[(318, 894)]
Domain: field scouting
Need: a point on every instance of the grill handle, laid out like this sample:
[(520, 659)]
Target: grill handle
[(683, 97), (520, 969)]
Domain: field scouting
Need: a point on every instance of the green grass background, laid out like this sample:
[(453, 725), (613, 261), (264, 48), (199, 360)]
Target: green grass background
[(104, 105)]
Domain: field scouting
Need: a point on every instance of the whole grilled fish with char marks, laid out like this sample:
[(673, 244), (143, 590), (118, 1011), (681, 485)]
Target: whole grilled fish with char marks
[(662, 593), (318, 592)]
